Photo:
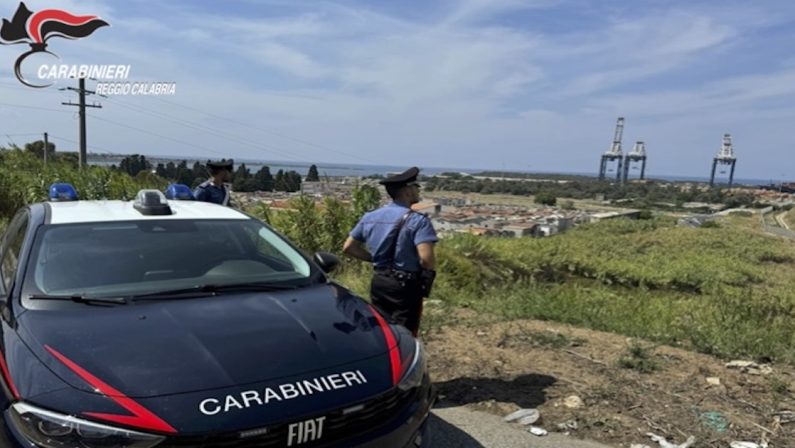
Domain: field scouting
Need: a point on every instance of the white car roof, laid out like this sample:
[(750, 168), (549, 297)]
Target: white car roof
[(109, 211)]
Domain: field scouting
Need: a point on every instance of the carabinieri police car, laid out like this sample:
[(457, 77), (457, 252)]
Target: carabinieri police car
[(171, 323)]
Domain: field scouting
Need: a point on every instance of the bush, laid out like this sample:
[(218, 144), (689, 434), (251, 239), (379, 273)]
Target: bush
[(639, 358), (544, 198)]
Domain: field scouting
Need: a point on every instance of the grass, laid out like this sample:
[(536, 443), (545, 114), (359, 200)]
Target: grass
[(727, 291), (789, 218), (547, 339)]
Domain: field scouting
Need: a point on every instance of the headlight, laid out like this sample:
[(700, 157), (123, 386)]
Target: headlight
[(414, 373), (52, 430)]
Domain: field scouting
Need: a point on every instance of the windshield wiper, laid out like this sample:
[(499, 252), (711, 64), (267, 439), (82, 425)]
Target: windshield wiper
[(210, 290), (79, 298)]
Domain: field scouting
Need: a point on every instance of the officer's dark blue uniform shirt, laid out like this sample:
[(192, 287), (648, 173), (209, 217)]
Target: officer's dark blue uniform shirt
[(374, 228), (209, 192)]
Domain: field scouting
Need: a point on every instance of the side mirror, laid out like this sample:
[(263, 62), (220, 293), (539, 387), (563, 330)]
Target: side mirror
[(326, 261)]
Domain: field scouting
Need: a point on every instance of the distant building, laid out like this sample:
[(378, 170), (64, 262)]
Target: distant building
[(632, 214), (520, 230), (432, 209)]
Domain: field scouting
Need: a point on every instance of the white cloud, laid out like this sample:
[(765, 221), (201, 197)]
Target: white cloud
[(464, 89)]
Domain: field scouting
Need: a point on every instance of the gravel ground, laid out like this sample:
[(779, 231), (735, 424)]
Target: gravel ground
[(459, 427)]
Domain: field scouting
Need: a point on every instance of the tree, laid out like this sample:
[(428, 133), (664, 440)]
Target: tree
[(184, 175), (312, 176), (171, 171), (37, 148), (289, 181), (134, 164), (200, 171), (545, 198), (264, 179), (160, 170), (241, 178), (279, 184), (293, 181)]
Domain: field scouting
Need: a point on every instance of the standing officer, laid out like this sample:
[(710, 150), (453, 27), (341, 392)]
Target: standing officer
[(399, 242), (214, 189)]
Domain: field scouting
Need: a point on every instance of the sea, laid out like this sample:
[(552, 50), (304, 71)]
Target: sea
[(338, 170)]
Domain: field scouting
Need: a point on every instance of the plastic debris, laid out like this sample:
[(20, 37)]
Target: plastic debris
[(568, 425), (785, 416), (535, 430), (713, 381), (573, 402), (522, 414), (750, 367), (744, 445), (529, 419), (666, 444), (715, 421)]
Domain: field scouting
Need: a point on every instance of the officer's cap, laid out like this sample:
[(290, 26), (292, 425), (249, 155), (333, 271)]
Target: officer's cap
[(220, 164), (398, 180)]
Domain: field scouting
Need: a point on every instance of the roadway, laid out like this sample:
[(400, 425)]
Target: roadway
[(459, 427)]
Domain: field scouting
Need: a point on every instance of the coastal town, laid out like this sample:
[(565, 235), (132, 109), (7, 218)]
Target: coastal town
[(496, 215)]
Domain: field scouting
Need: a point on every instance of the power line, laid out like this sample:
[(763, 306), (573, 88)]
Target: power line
[(202, 128), (193, 145), (93, 147), (266, 131), (36, 108)]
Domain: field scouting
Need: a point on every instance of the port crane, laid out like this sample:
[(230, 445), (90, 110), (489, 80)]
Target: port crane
[(725, 157), (638, 154), (614, 153)]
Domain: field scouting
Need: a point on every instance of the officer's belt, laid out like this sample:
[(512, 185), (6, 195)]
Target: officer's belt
[(398, 274)]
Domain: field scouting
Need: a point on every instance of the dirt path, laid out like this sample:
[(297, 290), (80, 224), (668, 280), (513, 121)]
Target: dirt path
[(501, 367), (780, 218)]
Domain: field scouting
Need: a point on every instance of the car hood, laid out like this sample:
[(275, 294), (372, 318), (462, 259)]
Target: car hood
[(150, 349)]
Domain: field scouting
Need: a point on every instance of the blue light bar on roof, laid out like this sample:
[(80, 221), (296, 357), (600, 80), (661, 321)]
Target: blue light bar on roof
[(179, 192), (62, 192)]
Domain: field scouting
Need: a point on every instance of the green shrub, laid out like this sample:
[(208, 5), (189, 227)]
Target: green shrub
[(639, 358)]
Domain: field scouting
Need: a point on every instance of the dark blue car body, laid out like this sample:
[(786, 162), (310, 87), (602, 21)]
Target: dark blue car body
[(241, 369)]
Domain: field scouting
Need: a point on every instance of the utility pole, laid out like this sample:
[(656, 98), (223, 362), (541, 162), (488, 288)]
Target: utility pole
[(46, 148), (81, 90)]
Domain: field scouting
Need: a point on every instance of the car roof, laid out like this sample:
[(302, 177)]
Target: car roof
[(109, 211)]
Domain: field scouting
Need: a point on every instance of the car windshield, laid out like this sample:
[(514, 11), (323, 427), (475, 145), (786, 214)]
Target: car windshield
[(108, 259)]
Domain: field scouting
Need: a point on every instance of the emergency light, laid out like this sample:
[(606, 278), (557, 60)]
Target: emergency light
[(151, 202), (62, 192), (179, 192)]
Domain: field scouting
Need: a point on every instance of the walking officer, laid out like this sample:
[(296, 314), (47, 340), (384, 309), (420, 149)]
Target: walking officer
[(399, 242), (215, 189)]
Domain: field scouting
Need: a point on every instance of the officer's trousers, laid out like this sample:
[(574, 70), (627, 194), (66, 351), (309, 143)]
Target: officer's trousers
[(398, 299)]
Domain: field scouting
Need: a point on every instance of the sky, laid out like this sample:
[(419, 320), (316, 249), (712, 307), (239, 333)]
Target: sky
[(524, 85)]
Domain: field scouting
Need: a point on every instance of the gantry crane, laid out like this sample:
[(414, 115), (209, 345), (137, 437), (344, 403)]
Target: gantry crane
[(725, 157), (638, 153), (614, 153)]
